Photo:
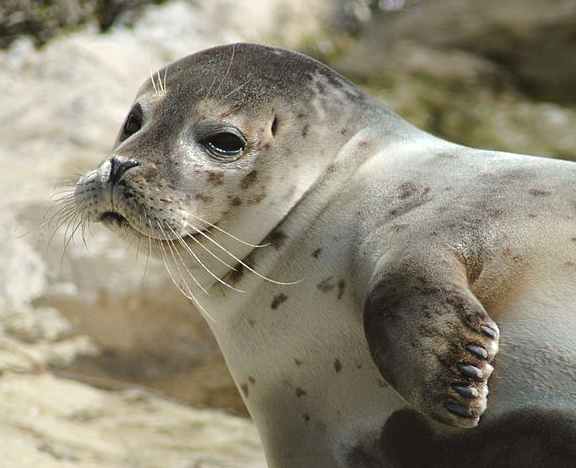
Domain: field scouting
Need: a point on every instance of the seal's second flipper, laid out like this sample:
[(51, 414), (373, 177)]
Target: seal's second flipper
[(522, 439), (430, 337)]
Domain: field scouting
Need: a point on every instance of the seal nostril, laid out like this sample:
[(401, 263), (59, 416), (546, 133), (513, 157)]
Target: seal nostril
[(118, 166), (274, 127)]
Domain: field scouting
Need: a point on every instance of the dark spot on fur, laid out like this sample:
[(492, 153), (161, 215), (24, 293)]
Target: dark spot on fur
[(274, 126), (300, 392), (317, 253), (252, 322), (532, 215), (236, 201), (343, 131), (407, 190), (249, 180), (300, 115), (341, 288), (399, 227), (573, 239), (337, 365), (266, 146), (236, 275), (278, 299), (276, 238), (306, 417), (216, 178), (251, 379), (305, 130), (327, 284), (298, 362), (245, 390), (570, 264), (539, 192)]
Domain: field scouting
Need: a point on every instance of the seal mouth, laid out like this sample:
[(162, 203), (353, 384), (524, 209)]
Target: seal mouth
[(113, 217)]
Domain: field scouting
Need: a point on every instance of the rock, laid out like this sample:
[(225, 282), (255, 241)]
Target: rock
[(49, 422)]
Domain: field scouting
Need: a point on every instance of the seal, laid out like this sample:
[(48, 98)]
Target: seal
[(352, 266)]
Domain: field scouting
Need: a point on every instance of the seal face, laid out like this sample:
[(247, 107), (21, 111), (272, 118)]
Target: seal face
[(213, 136), (380, 267)]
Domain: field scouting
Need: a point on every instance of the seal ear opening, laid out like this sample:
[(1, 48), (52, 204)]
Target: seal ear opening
[(274, 126)]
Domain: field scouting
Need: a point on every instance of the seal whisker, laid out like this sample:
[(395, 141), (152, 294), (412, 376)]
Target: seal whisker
[(223, 262), (161, 84), (190, 294), (154, 83), (223, 231), (248, 267), (175, 252), (68, 237), (235, 90), (189, 250), (226, 73), (60, 219)]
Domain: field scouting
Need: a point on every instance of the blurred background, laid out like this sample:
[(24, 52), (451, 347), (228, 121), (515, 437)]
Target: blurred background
[(104, 366)]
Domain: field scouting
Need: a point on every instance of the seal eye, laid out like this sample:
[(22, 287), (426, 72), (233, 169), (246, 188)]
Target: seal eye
[(225, 145), (133, 122)]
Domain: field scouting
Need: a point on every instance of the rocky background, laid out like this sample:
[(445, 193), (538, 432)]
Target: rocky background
[(102, 362)]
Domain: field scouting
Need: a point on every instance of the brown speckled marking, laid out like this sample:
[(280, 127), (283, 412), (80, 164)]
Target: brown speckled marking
[(278, 299), (539, 192), (236, 275), (341, 288), (532, 215), (298, 362), (337, 365), (252, 322), (251, 379), (249, 180), (317, 253), (406, 190), (327, 284), (236, 201), (305, 130), (300, 392), (215, 178), (276, 238)]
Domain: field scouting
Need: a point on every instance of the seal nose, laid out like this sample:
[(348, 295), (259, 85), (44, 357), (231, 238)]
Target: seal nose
[(118, 166)]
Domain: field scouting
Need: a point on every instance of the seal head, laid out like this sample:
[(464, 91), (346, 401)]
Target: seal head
[(231, 137)]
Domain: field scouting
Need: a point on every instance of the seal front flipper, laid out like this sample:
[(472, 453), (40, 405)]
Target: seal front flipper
[(430, 337)]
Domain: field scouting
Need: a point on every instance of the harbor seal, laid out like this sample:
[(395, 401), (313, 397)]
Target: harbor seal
[(352, 266)]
